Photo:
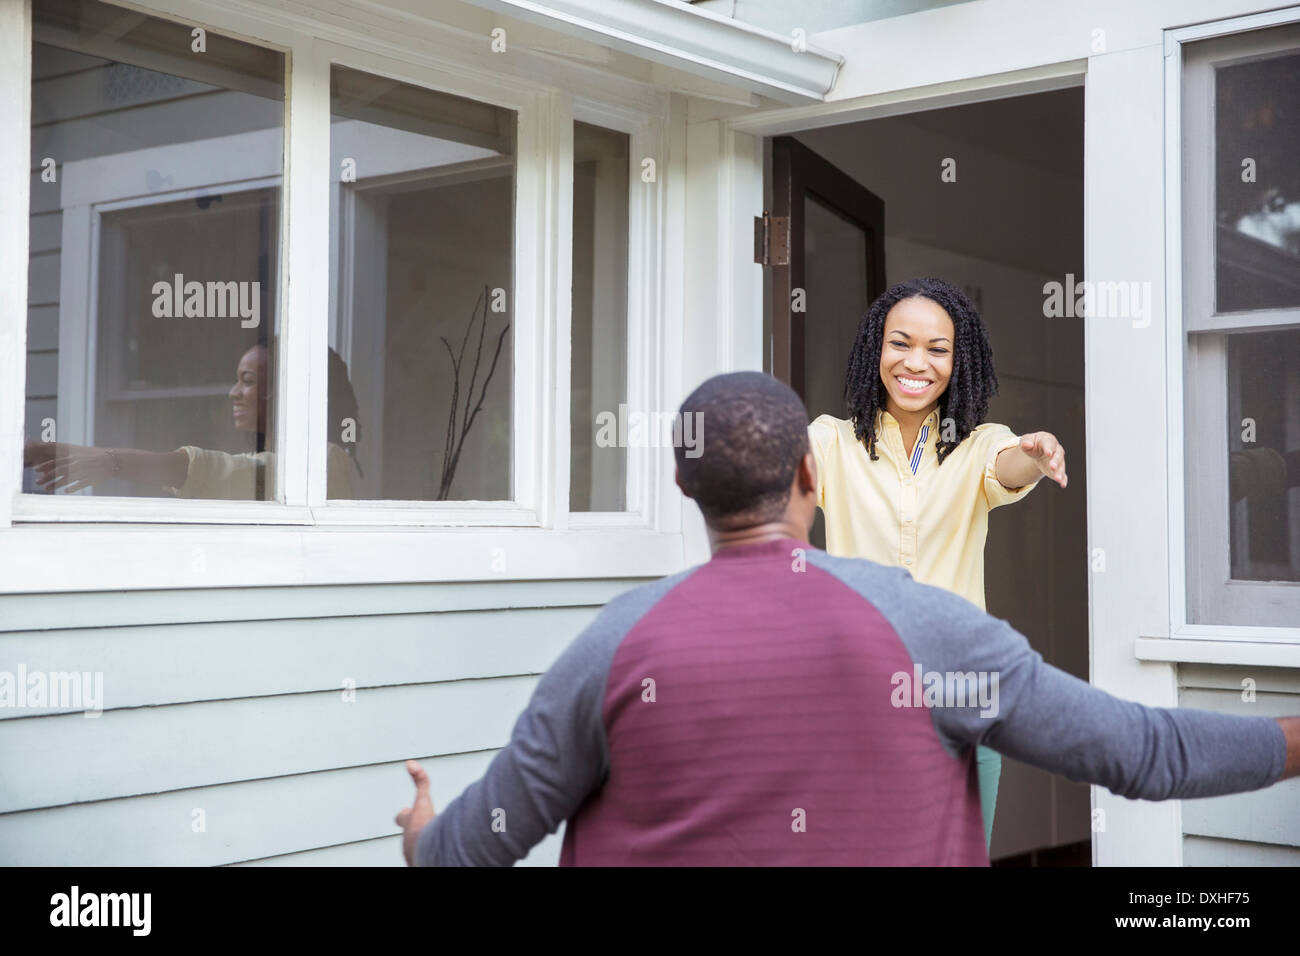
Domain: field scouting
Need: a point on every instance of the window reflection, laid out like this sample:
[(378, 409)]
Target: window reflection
[(154, 254), (598, 368), (1257, 184), (1264, 461), (422, 285)]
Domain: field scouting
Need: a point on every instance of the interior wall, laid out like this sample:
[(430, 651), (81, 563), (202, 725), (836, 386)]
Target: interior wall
[(1012, 221)]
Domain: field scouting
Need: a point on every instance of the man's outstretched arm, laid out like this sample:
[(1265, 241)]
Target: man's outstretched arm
[(1051, 719), (557, 755), (555, 758), (1291, 729)]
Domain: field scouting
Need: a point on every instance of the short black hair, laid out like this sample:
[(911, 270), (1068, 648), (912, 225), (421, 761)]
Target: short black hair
[(753, 433), (973, 382)]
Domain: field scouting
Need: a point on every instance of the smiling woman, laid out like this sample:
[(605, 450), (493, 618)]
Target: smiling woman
[(908, 479)]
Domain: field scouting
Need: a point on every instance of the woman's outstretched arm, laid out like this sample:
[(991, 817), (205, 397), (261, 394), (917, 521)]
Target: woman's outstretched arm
[(61, 466)]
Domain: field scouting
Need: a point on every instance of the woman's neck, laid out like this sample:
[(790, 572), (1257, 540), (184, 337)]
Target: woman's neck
[(909, 423), (910, 420)]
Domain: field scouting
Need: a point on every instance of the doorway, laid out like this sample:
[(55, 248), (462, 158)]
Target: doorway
[(989, 197)]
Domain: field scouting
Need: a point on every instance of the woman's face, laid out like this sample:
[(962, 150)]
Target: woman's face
[(916, 355), (248, 397)]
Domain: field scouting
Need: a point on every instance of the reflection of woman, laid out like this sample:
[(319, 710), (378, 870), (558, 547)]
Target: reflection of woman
[(193, 472), (910, 477)]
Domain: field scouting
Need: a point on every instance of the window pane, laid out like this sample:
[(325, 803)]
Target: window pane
[(1257, 184), (156, 162), (421, 367), (598, 462), (1264, 460)]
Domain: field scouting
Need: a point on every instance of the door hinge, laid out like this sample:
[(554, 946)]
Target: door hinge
[(772, 240)]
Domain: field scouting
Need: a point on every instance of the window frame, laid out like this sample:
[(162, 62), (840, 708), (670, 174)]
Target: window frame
[(540, 289), (645, 140), (528, 311), (1197, 353)]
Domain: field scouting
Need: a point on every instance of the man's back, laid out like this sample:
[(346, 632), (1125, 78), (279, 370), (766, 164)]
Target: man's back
[(748, 720)]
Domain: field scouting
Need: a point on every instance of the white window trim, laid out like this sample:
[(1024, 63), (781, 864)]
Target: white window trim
[(368, 541), (1180, 587)]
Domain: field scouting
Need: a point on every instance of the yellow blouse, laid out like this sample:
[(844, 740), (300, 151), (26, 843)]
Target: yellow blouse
[(219, 474), (932, 523)]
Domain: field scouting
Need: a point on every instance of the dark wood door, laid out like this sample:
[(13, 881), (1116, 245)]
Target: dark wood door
[(834, 268)]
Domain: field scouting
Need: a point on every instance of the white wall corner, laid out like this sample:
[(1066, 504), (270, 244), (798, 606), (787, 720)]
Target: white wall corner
[(1124, 232), (15, 161)]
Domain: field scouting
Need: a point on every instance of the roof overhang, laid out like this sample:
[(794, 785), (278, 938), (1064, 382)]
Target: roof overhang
[(690, 39)]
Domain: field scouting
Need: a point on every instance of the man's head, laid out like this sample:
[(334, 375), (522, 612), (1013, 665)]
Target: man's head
[(755, 466)]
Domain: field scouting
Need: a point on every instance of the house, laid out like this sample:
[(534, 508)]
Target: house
[(331, 294)]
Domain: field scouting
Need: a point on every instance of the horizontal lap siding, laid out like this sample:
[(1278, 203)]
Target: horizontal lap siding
[(242, 716), (1233, 829)]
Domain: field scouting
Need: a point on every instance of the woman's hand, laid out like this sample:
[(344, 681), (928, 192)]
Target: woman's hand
[(70, 468), (1047, 453), (1038, 454)]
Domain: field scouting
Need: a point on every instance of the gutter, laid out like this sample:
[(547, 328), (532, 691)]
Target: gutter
[(690, 39)]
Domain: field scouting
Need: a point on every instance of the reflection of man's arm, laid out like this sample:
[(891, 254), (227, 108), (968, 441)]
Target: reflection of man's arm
[(1262, 471)]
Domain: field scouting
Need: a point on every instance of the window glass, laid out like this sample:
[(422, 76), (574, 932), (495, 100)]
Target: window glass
[(1264, 458), (421, 364), (1257, 184), (598, 459), (156, 156)]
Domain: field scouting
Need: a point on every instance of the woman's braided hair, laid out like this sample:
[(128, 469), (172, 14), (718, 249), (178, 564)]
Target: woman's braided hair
[(341, 402), (973, 382)]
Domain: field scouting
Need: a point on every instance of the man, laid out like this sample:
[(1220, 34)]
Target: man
[(777, 705)]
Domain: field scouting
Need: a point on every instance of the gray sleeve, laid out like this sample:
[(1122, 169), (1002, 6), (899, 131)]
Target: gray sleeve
[(1045, 717), (556, 757)]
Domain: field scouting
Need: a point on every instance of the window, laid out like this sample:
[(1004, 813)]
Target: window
[(1241, 295), (157, 156), (598, 369), (421, 370), (296, 281)]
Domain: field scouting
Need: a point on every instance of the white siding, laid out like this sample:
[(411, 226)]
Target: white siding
[(230, 702), (1233, 827)]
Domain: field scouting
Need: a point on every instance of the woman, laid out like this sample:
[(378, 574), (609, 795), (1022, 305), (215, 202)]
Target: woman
[(910, 476), (193, 472)]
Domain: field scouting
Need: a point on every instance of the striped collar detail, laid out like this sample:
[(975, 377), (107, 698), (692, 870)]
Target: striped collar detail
[(915, 463)]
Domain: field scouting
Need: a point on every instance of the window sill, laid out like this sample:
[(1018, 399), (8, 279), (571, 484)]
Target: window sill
[(72, 557), (1180, 650)]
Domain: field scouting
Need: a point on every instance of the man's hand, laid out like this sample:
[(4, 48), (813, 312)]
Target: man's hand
[(413, 819)]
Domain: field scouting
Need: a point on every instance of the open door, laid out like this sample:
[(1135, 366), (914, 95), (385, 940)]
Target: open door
[(818, 299)]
